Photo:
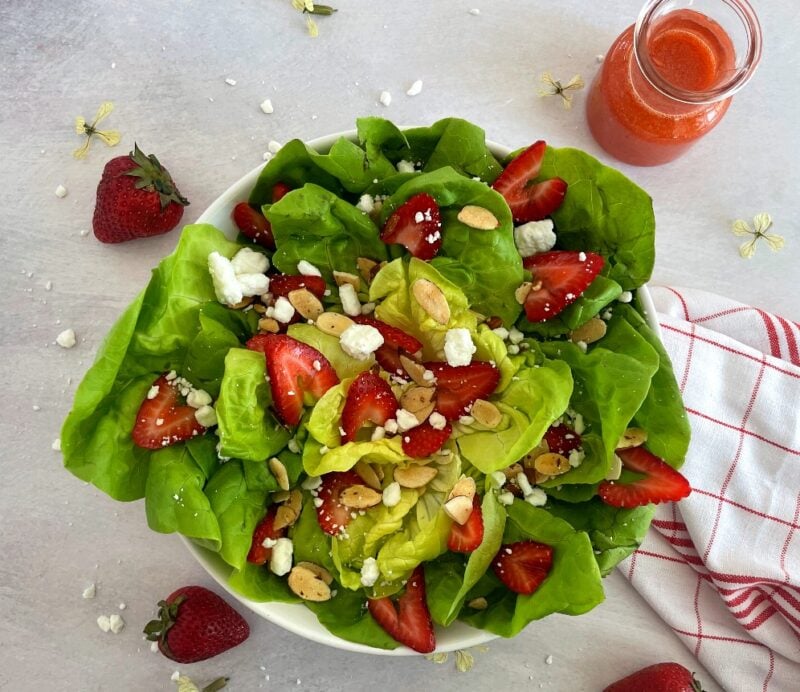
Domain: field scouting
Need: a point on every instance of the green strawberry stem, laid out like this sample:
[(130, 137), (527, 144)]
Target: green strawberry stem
[(154, 177), (218, 684), (156, 630)]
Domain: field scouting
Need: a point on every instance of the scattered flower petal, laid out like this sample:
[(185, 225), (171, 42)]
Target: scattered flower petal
[(761, 224), (109, 137), (464, 661), (553, 87)]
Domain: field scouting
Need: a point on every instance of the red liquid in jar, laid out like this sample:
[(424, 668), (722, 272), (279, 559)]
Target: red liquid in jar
[(635, 122)]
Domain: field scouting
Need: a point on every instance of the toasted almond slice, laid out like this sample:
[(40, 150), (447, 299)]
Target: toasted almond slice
[(416, 371), (346, 278), (268, 324), (359, 497), (378, 469), (279, 471), (459, 508), (318, 570), (423, 413), (368, 475), (512, 471), (243, 303), (464, 487), (522, 292), (616, 469), (479, 603), (478, 217), (431, 300), (365, 267), (260, 308), (632, 437), (414, 476), (306, 303), (285, 516), (333, 323), (537, 477), (589, 332), (307, 585), (295, 500), (551, 464), (538, 450), (417, 398), (486, 413)]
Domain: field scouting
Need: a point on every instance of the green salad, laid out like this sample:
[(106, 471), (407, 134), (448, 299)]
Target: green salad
[(418, 388)]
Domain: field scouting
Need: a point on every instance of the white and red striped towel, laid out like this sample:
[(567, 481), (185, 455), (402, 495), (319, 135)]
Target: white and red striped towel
[(722, 568)]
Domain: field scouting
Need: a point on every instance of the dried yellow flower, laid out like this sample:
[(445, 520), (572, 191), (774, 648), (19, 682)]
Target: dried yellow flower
[(110, 137), (761, 224), (464, 661), (437, 658), (553, 87)]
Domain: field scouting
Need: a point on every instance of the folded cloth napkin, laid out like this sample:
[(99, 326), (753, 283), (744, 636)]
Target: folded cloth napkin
[(722, 568)]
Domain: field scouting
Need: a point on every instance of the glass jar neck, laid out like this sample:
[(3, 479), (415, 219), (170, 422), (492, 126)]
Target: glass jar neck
[(647, 25)]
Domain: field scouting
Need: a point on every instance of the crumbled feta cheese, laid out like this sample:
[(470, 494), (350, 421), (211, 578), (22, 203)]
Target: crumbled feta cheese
[(534, 237), (311, 483), (293, 446), (198, 398), (48, 286), (206, 416), (505, 498), (90, 591), (437, 421), (515, 335), (266, 106), (56, 446), (502, 332), (378, 434), (385, 98), (350, 302), (513, 349), (428, 376), (576, 457), (577, 424), (266, 156), (404, 166), (360, 341), (104, 623), (581, 256), (466, 420), (116, 623), (536, 497), (269, 542), (366, 203), (253, 284), (458, 347), (176, 675), (406, 420), (419, 217), (369, 572), (308, 269), (273, 147), (284, 310), (391, 494), (248, 261), (390, 426), (280, 562), (226, 286), (61, 192), (582, 345), (498, 478), (625, 297), (66, 339), (415, 88), (524, 484), (475, 12), (367, 308), (230, 82)]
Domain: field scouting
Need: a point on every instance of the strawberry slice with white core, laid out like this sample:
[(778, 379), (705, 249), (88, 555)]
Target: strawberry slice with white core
[(332, 516), (294, 369), (530, 201), (162, 420), (369, 400), (661, 482), (395, 342), (523, 566), (458, 387), (409, 622), (416, 225), (559, 278), (466, 538)]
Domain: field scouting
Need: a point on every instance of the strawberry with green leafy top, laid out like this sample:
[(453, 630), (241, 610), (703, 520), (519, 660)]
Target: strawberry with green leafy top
[(661, 677)]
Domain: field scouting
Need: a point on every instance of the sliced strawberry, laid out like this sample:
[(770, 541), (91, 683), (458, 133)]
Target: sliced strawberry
[(417, 225), (294, 369), (466, 538), (389, 359), (332, 515), (457, 387), (523, 566), (661, 482), (252, 223), (284, 284), (258, 554), (395, 342), (412, 625), (279, 191), (527, 200), (562, 439), (424, 440), (559, 278), (163, 421), (369, 400)]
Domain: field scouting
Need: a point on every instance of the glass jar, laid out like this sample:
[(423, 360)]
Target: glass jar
[(668, 80)]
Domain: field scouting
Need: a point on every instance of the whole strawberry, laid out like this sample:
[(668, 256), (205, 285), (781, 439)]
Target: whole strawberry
[(136, 198), (195, 624), (661, 677)]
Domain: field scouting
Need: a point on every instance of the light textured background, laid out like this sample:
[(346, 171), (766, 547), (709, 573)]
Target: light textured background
[(162, 63)]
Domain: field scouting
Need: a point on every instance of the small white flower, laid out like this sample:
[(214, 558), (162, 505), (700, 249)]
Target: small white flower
[(761, 224)]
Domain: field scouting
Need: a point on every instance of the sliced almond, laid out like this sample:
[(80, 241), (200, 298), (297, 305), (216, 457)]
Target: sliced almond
[(414, 476), (616, 469), (479, 603), (306, 303), (243, 303), (378, 469), (478, 217), (431, 300), (365, 267), (512, 471), (260, 308), (423, 413), (522, 292), (459, 508), (551, 464), (285, 516), (368, 475), (333, 323), (632, 437), (307, 585), (486, 413), (464, 487), (538, 450), (416, 371), (268, 324), (319, 571), (417, 398), (295, 500), (359, 497), (346, 278), (589, 332), (279, 471)]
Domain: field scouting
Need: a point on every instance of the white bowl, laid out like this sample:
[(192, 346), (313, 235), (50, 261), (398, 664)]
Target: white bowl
[(297, 618)]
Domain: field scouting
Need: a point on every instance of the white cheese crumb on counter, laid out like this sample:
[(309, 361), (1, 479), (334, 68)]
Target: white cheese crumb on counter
[(66, 339), (266, 106), (307, 269), (360, 341), (458, 347), (350, 302), (90, 591), (104, 623), (116, 623), (56, 446), (415, 88), (273, 147), (391, 494), (369, 572), (475, 12), (230, 82), (385, 98), (61, 192)]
